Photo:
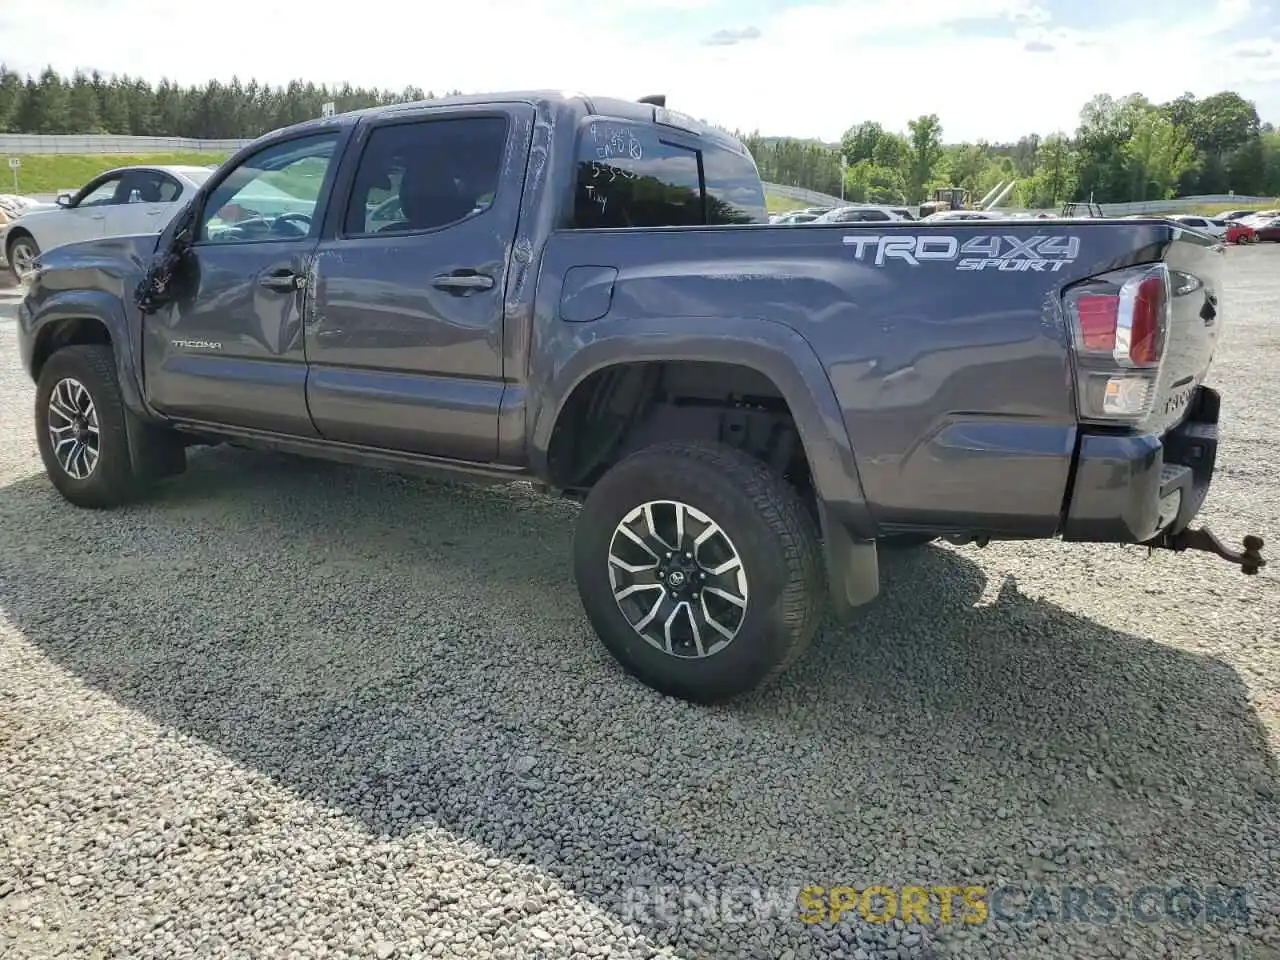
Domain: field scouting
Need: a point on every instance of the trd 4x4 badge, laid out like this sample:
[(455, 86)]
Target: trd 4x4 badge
[(1009, 254)]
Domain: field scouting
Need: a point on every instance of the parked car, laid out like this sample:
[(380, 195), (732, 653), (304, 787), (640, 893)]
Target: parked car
[(796, 216), (123, 201), (863, 213), (964, 215), (748, 414), (1236, 214), (1239, 232), (1203, 224), (1265, 224)]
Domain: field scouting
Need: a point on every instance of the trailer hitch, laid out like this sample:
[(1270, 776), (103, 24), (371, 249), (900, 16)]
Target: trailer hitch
[(1250, 559)]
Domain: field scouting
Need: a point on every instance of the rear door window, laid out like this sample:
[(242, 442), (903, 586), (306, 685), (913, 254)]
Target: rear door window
[(636, 175), (426, 174)]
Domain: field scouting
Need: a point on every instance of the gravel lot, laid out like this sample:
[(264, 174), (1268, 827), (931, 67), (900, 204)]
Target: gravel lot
[(299, 709)]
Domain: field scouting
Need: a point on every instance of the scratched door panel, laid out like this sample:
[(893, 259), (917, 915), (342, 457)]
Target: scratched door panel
[(404, 341), (229, 350)]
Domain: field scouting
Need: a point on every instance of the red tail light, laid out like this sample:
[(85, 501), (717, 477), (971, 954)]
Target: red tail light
[(1119, 323)]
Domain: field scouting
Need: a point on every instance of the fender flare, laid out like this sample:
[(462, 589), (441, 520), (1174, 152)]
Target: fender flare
[(97, 305), (151, 447), (771, 348)]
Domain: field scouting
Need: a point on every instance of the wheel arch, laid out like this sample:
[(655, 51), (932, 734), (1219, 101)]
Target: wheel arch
[(767, 348), (69, 317)]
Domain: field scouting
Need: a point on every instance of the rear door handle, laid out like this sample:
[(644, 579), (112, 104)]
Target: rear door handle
[(284, 280), (463, 281)]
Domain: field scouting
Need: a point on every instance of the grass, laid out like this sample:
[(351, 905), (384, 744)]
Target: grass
[(780, 204), (52, 172)]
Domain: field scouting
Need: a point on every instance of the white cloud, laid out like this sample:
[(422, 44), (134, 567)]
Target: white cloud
[(813, 70)]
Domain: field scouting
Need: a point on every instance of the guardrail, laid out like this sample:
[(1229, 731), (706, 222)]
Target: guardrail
[(25, 143), (804, 196)]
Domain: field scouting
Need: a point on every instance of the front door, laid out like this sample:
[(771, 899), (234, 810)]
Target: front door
[(405, 342), (85, 217), (229, 349)]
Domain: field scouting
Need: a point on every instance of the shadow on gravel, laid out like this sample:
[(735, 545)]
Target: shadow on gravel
[(414, 655)]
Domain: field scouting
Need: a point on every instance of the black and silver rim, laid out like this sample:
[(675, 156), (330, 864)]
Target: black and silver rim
[(73, 428), (22, 256), (678, 579)]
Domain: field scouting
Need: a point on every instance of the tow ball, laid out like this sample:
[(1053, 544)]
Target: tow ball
[(1249, 560)]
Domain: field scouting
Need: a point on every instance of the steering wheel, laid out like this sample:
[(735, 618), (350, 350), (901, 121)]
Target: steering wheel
[(301, 218)]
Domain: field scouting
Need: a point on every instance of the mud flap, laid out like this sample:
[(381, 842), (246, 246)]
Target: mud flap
[(853, 567), (154, 451)]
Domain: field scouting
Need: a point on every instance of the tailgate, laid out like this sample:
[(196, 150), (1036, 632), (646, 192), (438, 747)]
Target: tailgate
[(1195, 265)]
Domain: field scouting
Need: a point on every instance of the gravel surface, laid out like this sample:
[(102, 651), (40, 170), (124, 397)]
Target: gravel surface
[(293, 709)]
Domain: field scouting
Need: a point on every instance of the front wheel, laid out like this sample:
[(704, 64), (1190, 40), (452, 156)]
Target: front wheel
[(80, 428), (699, 569), (22, 253)]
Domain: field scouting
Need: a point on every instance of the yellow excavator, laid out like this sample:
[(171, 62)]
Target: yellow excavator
[(957, 198), (949, 198)]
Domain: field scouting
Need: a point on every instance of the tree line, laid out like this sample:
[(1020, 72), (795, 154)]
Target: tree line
[(89, 103), (1124, 149)]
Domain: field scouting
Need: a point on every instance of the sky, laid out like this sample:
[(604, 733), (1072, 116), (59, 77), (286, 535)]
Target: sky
[(990, 69)]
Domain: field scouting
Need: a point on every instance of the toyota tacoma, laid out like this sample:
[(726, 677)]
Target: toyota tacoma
[(586, 293)]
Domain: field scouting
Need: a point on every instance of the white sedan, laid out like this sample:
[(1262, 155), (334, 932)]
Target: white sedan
[(1215, 228), (121, 202)]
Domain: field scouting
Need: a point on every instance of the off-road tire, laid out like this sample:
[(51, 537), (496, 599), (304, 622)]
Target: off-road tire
[(773, 534), (112, 480)]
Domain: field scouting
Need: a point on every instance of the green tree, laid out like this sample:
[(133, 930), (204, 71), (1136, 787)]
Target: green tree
[(1158, 155), (925, 151), (82, 106), (11, 94)]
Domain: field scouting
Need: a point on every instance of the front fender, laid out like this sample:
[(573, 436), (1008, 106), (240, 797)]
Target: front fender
[(574, 352), (43, 311)]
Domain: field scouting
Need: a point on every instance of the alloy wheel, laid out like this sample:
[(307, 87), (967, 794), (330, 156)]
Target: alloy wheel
[(74, 432), (678, 579)]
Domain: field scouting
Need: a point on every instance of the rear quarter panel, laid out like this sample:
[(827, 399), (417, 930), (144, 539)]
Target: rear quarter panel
[(952, 377)]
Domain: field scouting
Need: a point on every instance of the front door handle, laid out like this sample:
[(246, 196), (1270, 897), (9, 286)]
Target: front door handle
[(283, 280), (463, 281)]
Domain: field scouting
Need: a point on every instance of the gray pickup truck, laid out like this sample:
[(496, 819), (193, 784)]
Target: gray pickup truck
[(586, 293)]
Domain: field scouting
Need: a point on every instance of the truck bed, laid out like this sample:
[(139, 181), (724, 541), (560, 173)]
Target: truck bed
[(946, 345)]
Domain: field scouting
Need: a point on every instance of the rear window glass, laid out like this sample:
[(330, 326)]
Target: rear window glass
[(636, 175)]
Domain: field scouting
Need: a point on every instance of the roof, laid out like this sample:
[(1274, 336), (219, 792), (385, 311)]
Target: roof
[(617, 107)]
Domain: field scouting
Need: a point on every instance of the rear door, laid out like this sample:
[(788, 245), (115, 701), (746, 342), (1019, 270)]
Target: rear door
[(229, 350), (404, 344), (150, 197)]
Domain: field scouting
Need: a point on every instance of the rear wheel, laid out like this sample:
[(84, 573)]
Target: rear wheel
[(80, 428), (699, 569)]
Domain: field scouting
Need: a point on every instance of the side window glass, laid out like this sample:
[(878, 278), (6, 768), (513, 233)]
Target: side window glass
[(628, 177), (168, 190), (143, 187), (103, 194), (876, 215), (425, 175), (272, 195), (734, 191)]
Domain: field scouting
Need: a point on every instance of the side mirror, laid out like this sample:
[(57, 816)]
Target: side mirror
[(64, 199)]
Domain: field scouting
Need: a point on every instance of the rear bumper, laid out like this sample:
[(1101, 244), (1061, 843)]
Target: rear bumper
[(1129, 489)]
